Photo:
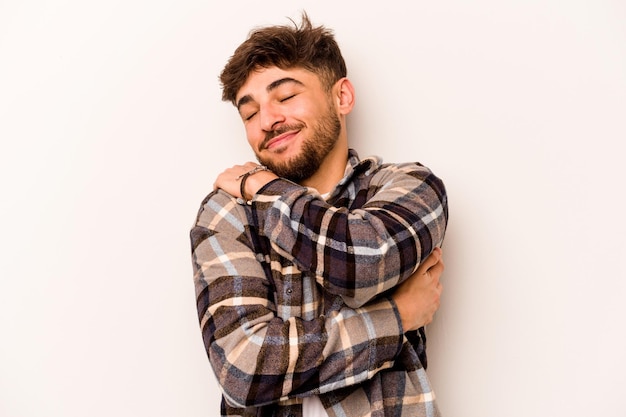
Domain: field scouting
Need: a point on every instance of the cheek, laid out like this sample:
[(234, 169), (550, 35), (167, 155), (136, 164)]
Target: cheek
[(309, 112), (300, 111), (254, 136)]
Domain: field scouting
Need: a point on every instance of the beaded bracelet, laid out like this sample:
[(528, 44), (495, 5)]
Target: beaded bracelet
[(242, 186)]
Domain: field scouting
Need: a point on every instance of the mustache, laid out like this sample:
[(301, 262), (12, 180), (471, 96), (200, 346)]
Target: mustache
[(279, 131)]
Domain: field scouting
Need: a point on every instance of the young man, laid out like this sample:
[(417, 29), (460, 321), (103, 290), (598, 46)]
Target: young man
[(314, 270)]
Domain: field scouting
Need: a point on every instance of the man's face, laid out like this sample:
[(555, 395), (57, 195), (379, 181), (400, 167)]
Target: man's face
[(290, 120)]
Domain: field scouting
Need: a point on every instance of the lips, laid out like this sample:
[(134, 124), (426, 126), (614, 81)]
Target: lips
[(280, 139)]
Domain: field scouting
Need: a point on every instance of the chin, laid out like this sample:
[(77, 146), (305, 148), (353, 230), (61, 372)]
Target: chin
[(281, 155)]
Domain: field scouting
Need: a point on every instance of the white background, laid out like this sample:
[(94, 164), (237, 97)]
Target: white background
[(112, 132)]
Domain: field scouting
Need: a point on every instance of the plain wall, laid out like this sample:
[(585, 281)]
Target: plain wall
[(112, 132)]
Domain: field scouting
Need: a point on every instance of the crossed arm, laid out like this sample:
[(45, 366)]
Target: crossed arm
[(259, 357), (366, 248)]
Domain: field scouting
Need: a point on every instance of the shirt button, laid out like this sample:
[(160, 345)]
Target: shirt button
[(289, 290)]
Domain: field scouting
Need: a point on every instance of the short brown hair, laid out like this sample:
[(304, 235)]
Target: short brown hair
[(285, 47)]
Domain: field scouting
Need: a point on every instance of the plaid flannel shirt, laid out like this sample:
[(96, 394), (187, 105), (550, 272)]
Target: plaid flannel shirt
[(293, 292)]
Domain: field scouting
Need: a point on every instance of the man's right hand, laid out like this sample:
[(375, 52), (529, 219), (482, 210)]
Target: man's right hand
[(418, 297)]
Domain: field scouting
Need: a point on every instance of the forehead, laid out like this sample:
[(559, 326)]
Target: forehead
[(260, 80)]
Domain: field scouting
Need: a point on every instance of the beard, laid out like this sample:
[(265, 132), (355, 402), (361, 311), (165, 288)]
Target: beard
[(314, 149)]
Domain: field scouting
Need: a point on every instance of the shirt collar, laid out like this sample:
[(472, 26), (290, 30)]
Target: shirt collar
[(356, 166)]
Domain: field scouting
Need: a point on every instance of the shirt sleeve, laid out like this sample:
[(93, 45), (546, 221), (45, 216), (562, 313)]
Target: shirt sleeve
[(362, 252), (258, 357)]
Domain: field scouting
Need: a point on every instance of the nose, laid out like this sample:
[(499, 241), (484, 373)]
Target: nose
[(271, 115)]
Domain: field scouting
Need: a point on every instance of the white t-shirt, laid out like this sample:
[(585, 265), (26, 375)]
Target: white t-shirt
[(312, 407)]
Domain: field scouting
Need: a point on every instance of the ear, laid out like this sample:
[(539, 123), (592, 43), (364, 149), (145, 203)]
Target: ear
[(344, 94)]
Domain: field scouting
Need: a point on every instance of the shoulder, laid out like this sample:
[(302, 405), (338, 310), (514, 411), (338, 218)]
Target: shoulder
[(374, 165), (399, 170)]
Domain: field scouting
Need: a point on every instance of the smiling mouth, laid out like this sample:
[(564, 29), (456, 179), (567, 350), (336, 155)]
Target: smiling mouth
[(279, 139)]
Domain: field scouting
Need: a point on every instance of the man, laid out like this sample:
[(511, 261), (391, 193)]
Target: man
[(314, 269)]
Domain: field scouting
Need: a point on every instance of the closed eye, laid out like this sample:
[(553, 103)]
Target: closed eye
[(287, 98), (250, 116)]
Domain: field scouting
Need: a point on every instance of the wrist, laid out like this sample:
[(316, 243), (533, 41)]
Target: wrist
[(403, 313), (252, 181), (258, 181)]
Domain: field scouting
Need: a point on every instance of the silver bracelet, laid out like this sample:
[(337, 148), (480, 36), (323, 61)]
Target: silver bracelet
[(243, 177)]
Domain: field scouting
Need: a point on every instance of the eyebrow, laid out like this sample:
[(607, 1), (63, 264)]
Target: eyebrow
[(272, 86)]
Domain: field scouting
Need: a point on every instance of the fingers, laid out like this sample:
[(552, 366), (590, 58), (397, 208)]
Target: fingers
[(229, 179), (437, 269), (430, 261)]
